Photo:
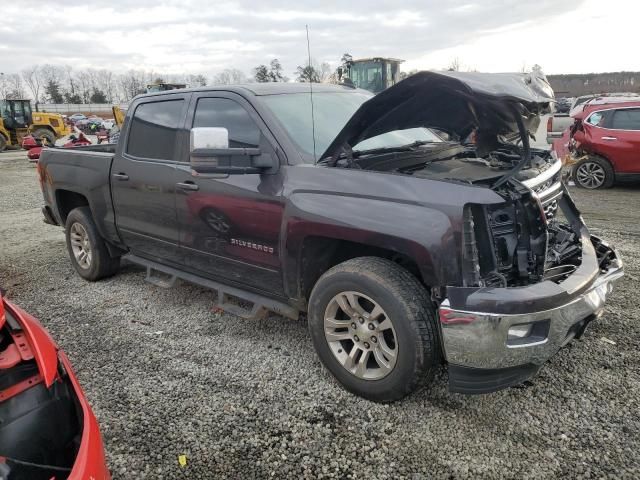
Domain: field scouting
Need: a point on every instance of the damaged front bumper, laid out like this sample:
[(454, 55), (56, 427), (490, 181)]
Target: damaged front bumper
[(499, 337)]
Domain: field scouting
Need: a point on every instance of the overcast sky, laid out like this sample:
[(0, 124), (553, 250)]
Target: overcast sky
[(185, 36)]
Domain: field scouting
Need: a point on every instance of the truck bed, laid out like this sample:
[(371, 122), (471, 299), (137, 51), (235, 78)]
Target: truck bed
[(85, 174)]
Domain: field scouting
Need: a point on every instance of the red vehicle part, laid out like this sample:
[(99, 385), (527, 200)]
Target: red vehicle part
[(29, 142), (605, 139), (47, 429), (34, 150)]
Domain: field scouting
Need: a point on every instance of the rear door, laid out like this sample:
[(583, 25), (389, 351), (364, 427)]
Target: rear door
[(230, 224), (621, 141), (143, 178)]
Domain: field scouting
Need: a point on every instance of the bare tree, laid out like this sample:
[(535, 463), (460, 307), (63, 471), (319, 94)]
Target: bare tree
[(198, 80), (454, 66), (31, 76), (103, 81), (14, 87), (314, 73), (3, 86), (132, 83), (324, 72), (71, 88), (230, 76)]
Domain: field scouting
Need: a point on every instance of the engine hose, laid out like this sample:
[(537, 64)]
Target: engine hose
[(526, 150)]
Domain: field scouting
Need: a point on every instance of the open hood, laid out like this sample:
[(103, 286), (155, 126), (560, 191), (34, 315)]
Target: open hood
[(455, 102)]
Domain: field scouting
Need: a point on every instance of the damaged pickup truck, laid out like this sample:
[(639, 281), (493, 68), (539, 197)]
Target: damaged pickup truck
[(415, 228)]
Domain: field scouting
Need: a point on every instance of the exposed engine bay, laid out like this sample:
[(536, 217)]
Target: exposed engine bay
[(40, 427), (486, 122), (526, 239)]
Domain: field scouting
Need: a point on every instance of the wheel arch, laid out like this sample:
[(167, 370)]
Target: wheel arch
[(320, 253), (67, 200), (42, 126)]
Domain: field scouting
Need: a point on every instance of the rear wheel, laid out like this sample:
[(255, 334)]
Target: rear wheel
[(87, 250), (593, 172), (374, 327), (45, 136), (3, 143)]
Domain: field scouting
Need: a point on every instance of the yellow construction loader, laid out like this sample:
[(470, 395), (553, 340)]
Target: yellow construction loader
[(18, 120)]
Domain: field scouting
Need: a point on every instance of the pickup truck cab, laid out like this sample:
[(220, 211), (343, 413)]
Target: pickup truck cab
[(405, 225)]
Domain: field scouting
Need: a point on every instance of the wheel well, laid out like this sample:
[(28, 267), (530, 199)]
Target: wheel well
[(67, 200), (42, 126), (319, 254), (599, 156)]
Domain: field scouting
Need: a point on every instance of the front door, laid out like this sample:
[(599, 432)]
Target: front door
[(144, 176), (230, 224)]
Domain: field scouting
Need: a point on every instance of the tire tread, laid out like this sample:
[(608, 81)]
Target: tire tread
[(406, 287)]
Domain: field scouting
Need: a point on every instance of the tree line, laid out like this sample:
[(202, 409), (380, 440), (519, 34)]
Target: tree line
[(48, 83)]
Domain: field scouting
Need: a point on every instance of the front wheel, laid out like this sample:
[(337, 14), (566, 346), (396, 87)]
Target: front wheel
[(87, 250), (374, 328)]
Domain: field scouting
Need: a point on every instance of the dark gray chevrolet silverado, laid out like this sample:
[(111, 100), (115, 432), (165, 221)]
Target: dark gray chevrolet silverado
[(415, 228)]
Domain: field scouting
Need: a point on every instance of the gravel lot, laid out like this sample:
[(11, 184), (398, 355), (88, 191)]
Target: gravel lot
[(168, 375)]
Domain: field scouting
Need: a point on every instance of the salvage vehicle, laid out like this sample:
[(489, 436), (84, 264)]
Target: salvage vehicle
[(34, 147), (404, 249), (605, 144), (18, 120), (558, 123), (563, 105), (47, 428), (76, 117)]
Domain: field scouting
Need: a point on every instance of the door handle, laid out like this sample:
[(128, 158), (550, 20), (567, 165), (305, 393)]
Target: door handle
[(187, 186), (609, 138), (120, 176)]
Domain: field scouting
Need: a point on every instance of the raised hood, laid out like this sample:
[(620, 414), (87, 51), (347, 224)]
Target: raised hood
[(455, 102)]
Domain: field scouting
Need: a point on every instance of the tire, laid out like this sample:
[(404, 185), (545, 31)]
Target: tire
[(593, 172), (81, 232), (413, 333), (3, 143), (41, 133)]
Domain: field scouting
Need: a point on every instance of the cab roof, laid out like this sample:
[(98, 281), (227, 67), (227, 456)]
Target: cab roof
[(270, 88)]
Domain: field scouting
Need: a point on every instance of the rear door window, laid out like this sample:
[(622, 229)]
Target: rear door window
[(626, 119), (154, 130)]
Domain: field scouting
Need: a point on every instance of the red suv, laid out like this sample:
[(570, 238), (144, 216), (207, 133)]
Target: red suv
[(606, 140)]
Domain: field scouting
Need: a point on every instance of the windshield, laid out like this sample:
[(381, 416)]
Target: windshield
[(331, 113)]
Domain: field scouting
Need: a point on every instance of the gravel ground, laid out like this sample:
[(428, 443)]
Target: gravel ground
[(168, 375)]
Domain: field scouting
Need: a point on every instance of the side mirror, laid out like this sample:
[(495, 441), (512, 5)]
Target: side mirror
[(209, 153)]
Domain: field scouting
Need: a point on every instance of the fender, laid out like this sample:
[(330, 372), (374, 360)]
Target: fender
[(92, 186), (424, 235)]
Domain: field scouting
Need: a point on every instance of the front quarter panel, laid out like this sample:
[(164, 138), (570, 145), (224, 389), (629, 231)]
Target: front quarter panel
[(419, 218)]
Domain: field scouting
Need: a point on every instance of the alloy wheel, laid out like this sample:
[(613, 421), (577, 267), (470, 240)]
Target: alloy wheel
[(590, 175), (360, 335), (81, 245)]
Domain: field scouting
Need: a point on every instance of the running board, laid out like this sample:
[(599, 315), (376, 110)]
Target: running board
[(157, 273), (154, 277)]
